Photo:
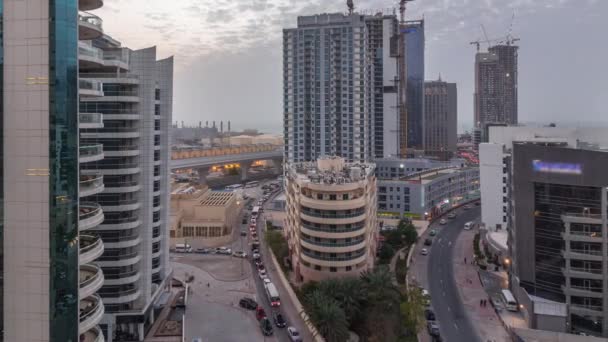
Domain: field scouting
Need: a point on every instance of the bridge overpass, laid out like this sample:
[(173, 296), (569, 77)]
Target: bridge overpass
[(220, 156)]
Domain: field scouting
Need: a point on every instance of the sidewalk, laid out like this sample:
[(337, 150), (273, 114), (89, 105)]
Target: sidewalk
[(471, 290)]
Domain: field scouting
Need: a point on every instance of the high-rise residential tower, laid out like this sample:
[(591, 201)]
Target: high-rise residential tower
[(132, 92), (340, 89), (440, 118), (49, 279), (496, 86), (413, 35)]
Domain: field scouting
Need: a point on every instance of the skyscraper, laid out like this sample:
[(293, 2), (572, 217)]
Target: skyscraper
[(132, 92), (413, 35), (440, 118), (85, 192), (340, 90), (496, 86)]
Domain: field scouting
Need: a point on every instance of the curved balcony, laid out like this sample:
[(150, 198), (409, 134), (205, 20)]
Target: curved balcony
[(333, 262), (91, 248), (579, 272), (126, 205), (123, 187), (89, 57), (113, 77), (130, 96), (93, 335), (117, 58), (91, 280), (583, 236), (333, 234), (124, 278), (125, 242), (90, 89), (89, 5), (583, 291), (90, 215), (90, 120), (120, 297), (90, 184), (116, 169), (90, 153), (126, 259), (333, 205), (90, 26), (333, 248), (128, 223), (122, 151), (114, 133), (130, 116), (91, 312), (581, 254), (585, 218)]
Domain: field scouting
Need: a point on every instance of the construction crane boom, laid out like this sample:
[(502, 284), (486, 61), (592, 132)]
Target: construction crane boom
[(402, 7)]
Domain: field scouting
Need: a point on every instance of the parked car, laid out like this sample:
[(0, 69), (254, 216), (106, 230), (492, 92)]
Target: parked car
[(443, 221), (266, 327), (433, 232), (255, 256), (262, 274), (267, 280), (429, 314), (260, 313), (433, 328), (248, 303), (244, 221), (259, 262), (428, 242), (468, 226), (243, 232), (424, 251), (294, 334), (255, 246), (223, 250), (467, 207), (452, 215), (202, 250), (279, 321)]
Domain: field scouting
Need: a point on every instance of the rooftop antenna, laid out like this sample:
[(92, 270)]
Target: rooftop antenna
[(351, 6)]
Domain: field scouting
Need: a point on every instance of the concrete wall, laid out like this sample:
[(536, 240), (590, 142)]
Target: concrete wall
[(491, 175)]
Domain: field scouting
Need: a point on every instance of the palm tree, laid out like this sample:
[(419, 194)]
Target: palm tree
[(328, 317), (351, 298), (380, 289)]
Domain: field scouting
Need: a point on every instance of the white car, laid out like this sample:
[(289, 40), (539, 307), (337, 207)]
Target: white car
[(443, 221), (239, 254), (424, 251), (294, 334), (262, 274), (452, 215), (267, 280), (256, 256)]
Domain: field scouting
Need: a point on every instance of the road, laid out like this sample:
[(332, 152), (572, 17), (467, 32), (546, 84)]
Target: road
[(436, 274)]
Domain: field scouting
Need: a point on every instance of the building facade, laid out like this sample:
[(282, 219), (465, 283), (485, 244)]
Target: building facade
[(127, 97), (429, 192), (340, 93), (201, 217), (331, 225), (557, 237), (394, 168), (413, 35), (496, 86), (440, 119)]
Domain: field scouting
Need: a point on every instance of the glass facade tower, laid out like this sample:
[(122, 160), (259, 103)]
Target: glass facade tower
[(414, 70)]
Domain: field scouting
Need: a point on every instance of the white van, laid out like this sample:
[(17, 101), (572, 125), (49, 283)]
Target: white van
[(468, 226), (183, 248)]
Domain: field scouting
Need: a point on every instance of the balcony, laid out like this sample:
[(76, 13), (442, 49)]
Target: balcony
[(333, 204), (583, 236), (120, 297), (333, 219), (583, 254), (93, 335), (586, 310), (91, 312), (90, 153), (112, 77), (355, 259), (122, 242), (90, 26), (333, 248), (116, 169), (90, 184), (90, 89), (579, 272), (91, 280), (91, 248), (124, 205), (90, 120), (122, 187), (582, 217), (118, 58), (127, 223), (90, 215), (88, 56), (122, 151), (89, 5), (581, 291), (113, 133), (123, 278)]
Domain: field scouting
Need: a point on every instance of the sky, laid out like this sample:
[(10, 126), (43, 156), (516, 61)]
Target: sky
[(228, 54)]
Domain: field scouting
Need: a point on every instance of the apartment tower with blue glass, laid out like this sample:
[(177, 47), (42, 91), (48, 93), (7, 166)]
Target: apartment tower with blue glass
[(413, 35)]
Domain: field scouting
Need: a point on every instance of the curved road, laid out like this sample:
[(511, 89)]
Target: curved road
[(454, 322)]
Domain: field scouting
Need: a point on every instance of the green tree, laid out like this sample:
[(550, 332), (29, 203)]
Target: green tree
[(327, 316), (386, 253), (379, 286), (412, 312), (410, 234)]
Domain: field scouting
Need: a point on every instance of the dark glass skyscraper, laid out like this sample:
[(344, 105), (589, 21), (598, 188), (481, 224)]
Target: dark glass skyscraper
[(413, 32)]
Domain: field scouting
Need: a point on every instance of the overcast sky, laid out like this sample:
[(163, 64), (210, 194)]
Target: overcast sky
[(229, 56)]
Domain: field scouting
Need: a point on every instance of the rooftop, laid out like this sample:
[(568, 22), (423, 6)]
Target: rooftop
[(427, 176), (331, 170), (217, 198)]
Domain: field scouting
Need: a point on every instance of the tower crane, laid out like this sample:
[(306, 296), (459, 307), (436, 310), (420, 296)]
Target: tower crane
[(402, 7)]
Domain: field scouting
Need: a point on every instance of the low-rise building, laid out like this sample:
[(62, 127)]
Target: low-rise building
[(429, 192), (331, 225), (201, 217)]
